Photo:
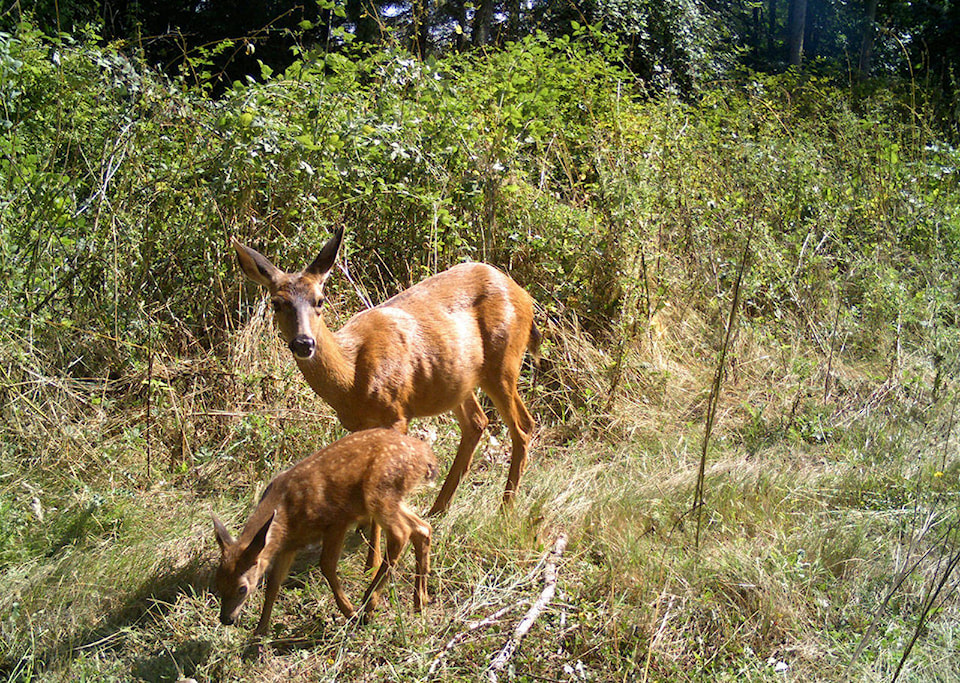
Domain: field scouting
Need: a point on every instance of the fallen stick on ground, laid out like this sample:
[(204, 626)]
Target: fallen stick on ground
[(549, 588), (474, 626)]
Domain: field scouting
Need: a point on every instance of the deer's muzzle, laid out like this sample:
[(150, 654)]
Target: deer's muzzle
[(303, 346)]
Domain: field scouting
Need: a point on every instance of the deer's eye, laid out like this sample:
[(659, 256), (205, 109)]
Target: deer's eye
[(242, 590), (319, 303)]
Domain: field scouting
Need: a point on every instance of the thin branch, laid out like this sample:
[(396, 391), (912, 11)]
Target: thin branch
[(922, 620), (471, 628), (549, 588), (714, 399)]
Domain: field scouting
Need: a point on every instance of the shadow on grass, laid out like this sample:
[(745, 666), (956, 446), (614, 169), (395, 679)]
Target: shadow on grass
[(173, 665), (153, 598), (75, 532), (152, 601)]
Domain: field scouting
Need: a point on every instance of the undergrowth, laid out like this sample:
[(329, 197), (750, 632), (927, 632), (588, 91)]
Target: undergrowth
[(142, 386)]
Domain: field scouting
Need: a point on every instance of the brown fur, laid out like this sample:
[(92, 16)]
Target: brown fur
[(363, 477), (421, 353)]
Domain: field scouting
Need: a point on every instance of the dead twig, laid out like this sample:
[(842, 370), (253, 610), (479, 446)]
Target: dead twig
[(549, 588), (471, 628)]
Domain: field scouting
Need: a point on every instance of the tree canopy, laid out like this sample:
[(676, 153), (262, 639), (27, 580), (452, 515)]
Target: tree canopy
[(683, 43)]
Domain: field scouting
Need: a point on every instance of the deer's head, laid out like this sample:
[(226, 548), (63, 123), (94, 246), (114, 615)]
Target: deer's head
[(296, 297), (240, 569)]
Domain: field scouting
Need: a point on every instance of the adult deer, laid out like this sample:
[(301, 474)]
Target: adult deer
[(421, 353)]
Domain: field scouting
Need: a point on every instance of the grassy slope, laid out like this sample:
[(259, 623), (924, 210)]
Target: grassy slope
[(818, 498), (800, 542)]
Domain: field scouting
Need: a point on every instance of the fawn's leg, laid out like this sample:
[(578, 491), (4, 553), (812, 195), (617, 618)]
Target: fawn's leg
[(279, 571), (420, 537), (398, 533), (373, 551), (329, 556)]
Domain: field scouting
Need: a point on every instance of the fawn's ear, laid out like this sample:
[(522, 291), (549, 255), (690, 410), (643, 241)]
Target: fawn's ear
[(259, 540), (257, 266), (224, 538)]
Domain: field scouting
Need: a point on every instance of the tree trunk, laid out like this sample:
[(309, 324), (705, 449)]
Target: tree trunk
[(513, 19), (481, 23), (458, 11), (772, 27), (756, 30), (814, 22), (866, 47), (421, 28), (363, 15), (796, 29)]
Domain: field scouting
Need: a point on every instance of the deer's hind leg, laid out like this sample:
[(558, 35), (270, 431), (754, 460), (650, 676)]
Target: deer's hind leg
[(420, 537), (472, 423), (397, 533), (373, 550), (503, 392), (400, 526)]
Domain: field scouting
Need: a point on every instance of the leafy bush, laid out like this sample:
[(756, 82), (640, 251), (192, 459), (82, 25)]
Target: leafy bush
[(122, 190)]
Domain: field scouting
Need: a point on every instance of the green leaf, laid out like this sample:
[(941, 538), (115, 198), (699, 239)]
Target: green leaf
[(307, 141)]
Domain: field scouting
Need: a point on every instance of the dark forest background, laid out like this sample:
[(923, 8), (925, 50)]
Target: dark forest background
[(681, 44)]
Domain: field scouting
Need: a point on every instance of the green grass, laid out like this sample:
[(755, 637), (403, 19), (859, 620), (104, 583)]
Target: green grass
[(800, 544)]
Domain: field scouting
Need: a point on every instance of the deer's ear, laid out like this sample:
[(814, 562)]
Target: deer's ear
[(258, 541), (323, 264), (224, 538), (257, 267)]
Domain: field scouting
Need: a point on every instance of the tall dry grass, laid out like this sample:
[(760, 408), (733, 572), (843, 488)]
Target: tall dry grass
[(807, 514)]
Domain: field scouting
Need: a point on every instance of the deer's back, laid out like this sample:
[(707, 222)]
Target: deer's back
[(481, 288), (432, 344), (346, 481)]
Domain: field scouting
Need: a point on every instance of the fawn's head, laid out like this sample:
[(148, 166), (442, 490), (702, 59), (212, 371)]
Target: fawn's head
[(296, 297), (239, 571)]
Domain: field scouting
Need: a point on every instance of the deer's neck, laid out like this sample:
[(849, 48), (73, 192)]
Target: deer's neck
[(330, 370)]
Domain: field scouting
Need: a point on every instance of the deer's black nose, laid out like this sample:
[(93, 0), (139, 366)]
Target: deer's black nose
[(303, 346), (226, 620)]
